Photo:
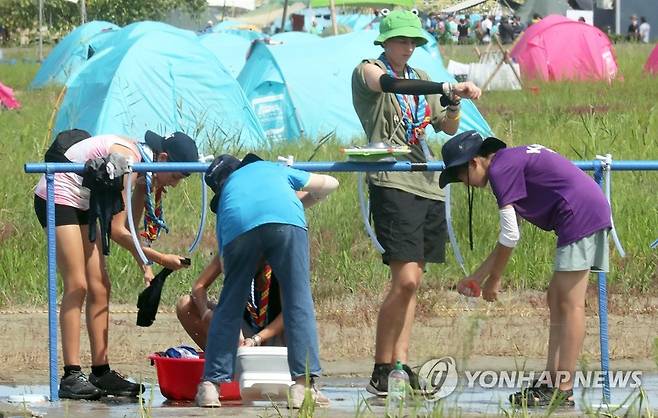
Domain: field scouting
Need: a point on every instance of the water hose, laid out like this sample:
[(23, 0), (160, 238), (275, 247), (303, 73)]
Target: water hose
[(365, 211), (606, 162), (202, 222), (131, 221), (451, 230)]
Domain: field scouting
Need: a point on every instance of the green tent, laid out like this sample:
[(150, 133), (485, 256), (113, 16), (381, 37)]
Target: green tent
[(364, 3)]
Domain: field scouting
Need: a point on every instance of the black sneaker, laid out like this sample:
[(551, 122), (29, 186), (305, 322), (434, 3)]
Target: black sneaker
[(77, 386), (378, 384), (112, 383)]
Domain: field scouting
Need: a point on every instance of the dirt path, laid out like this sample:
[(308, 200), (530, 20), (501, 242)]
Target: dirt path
[(508, 335)]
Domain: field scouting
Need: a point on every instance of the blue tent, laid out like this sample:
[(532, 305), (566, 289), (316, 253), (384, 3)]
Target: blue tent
[(303, 89), (231, 50), (159, 80), (70, 54)]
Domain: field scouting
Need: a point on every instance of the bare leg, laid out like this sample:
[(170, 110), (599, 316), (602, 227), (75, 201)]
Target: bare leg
[(554, 330), (188, 315), (70, 262), (98, 300), (397, 313), (570, 290)]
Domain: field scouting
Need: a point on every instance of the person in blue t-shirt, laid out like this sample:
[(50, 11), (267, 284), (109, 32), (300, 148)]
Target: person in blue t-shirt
[(259, 216)]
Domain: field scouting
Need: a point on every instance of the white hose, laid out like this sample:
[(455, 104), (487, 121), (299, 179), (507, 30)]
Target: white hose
[(451, 231), (365, 210), (202, 223), (131, 222), (606, 162)]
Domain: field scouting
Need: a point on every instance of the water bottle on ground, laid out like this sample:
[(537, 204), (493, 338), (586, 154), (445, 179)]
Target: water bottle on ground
[(398, 382)]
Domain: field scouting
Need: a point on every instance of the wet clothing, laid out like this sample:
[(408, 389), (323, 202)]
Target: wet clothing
[(549, 191)]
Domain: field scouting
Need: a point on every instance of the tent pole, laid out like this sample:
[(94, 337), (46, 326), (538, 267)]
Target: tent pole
[(40, 30), (83, 11), (283, 16), (334, 25), (618, 17)]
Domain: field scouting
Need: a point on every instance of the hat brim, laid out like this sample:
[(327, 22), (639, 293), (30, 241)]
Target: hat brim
[(449, 174), (407, 32), (154, 141)]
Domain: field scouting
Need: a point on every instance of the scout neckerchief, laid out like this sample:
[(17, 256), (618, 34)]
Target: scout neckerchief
[(411, 106), (258, 312), (154, 215)]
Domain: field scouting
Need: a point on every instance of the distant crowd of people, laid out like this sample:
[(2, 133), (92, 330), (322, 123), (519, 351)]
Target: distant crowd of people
[(639, 31), (472, 29)]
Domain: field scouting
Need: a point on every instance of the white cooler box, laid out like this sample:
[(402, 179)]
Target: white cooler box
[(263, 373)]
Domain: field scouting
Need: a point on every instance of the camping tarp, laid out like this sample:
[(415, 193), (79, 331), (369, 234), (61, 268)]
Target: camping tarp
[(301, 89), (542, 8), (541, 51), (69, 54), (7, 98), (231, 50), (651, 66), (159, 80)]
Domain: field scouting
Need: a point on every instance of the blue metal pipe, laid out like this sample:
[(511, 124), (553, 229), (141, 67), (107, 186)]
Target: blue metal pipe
[(619, 165), (52, 285), (603, 314)]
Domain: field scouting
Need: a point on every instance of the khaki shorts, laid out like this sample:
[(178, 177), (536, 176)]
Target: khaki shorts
[(590, 253)]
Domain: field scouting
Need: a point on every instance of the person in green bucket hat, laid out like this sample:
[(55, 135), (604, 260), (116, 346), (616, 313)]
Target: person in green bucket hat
[(395, 103)]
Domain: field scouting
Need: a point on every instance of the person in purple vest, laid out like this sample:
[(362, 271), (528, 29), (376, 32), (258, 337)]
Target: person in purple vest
[(547, 190)]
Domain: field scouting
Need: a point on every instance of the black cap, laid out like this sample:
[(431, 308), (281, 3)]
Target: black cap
[(460, 149), (219, 171), (179, 146)]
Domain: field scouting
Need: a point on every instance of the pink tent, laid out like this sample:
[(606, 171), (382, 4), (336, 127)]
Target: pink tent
[(651, 66), (557, 48), (7, 98)]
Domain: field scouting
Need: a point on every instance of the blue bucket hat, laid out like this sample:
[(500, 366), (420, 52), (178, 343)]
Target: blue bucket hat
[(460, 149)]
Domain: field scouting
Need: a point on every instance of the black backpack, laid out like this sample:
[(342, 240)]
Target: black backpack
[(63, 141)]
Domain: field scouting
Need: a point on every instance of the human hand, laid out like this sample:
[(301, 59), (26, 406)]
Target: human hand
[(173, 262), (467, 89), (491, 288), (469, 286), (148, 275), (247, 342)]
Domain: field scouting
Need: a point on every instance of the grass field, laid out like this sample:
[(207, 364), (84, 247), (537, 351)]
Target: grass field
[(578, 120)]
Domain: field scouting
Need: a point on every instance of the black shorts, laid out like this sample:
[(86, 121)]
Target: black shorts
[(409, 227), (64, 215)]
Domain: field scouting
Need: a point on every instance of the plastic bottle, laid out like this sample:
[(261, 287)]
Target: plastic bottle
[(398, 381)]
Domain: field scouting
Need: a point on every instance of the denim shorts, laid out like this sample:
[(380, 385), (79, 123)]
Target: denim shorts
[(589, 253)]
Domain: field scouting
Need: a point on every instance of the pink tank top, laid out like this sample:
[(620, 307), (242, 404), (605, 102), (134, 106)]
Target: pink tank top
[(68, 186)]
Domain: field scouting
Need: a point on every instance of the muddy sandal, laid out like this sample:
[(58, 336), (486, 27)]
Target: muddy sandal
[(543, 395)]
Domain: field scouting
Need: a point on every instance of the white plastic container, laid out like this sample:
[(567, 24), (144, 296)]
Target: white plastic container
[(263, 373)]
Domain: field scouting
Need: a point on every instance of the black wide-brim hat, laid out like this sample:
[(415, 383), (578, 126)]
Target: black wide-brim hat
[(220, 169), (462, 148)]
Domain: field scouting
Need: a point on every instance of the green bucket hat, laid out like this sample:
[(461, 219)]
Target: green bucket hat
[(400, 23)]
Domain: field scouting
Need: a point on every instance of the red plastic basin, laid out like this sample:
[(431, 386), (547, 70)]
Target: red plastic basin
[(178, 378)]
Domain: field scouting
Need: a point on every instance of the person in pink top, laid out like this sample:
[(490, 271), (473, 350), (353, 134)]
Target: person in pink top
[(81, 262)]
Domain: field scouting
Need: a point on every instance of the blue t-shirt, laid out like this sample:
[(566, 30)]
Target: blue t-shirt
[(549, 191), (260, 193)]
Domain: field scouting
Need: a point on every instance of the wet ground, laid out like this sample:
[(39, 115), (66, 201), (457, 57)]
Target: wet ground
[(348, 399)]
